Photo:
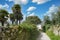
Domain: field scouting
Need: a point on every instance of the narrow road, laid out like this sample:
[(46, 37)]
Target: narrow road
[(43, 36)]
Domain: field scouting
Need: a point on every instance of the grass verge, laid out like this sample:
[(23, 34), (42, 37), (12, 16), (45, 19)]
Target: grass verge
[(52, 35)]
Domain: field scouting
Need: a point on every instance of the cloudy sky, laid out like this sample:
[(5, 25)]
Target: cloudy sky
[(32, 7)]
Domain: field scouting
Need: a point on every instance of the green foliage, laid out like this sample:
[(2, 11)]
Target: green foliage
[(12, 18), (33, 20), (16, 7), (31, 29), (28, 26), (47, 20), (24, 31), (52, 36), (3, 15), (46, 27), (56, 17), (17, 13)]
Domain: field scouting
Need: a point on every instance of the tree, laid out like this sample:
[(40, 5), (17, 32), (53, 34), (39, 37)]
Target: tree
[(12, 18), (33, 20), (47, 20), (3, 16), (47, 23), (56, 20), (17, 13)]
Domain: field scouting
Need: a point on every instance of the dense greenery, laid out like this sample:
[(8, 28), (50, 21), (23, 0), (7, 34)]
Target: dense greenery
[(12, 18), (17, 13), (47, 20), (52, 35), (52, 20), (27, 30), (24, 31), (31, 29), (3, 16), (33, 20), (52, 23)]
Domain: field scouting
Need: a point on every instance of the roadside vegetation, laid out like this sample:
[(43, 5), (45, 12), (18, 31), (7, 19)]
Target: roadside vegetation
[(52, 35), (51, 24), (27, 30)]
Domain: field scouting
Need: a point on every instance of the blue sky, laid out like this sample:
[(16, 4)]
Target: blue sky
[(32, 7)]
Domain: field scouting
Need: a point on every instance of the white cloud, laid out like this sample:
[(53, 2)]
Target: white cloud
[(31, 8), (0, 6), (4, 6), (40, 1), (32, 14), (52, 9), (24, 1), (19, 1)]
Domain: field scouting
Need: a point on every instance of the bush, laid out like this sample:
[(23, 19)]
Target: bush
[(46, 27), (24, 31), (30, 31)]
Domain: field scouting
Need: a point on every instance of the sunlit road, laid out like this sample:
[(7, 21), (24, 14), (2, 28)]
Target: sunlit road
[(43, 36)]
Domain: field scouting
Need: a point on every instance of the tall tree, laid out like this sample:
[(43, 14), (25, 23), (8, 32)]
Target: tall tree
[(47, 23), (17, 12), (56, 20), (12, 18), (47, 20), (3, 16)]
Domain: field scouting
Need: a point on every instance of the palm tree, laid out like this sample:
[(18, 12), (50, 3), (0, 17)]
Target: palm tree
[(17, 13), (3, 16), (20, 18), (12, 18)]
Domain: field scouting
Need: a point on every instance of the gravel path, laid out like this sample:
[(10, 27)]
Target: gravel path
[(43, 36)]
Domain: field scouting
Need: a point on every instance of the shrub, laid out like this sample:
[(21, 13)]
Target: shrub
[(30, 31), (24, 31)]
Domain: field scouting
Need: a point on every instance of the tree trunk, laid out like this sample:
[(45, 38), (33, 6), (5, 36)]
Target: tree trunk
[(16, 22), (2, 23)]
